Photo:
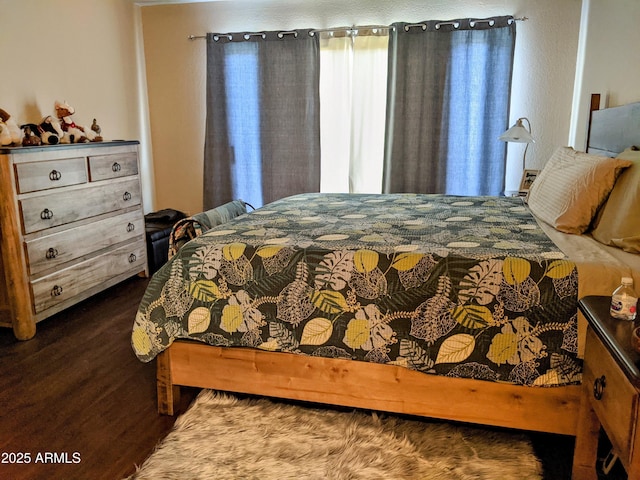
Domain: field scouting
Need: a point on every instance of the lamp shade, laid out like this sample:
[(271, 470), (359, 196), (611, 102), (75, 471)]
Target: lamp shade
[(518, 133)]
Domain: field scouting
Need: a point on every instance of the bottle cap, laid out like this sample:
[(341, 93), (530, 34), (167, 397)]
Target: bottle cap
[(627, 281)]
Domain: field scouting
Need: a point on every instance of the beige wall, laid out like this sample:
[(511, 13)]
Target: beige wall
[(610, 64), (88, 51), (80, 51), (542, 83)]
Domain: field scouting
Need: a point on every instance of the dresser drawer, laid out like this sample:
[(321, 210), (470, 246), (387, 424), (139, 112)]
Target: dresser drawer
[(617, 406), (34, 176), (104, 167), (63, 285), (41, 212), (48, 252)]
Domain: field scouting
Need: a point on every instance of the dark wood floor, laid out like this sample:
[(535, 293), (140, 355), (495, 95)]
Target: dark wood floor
[(76, 390)]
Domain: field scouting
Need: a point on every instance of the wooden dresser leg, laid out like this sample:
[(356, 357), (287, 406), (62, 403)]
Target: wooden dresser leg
[(586, 449), (168, 394)]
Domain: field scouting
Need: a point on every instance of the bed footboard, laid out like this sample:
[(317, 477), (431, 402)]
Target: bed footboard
[(365, 385), (168, 392)]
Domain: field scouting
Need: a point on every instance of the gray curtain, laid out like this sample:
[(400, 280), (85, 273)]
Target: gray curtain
[(262, 139), (449, 93)]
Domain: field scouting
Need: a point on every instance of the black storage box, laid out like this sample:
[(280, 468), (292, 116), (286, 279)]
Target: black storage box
[(157, 226)]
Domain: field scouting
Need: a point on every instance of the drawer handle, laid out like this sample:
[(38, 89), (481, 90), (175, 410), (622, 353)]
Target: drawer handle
[(598, 387), (126, 197), (132, 258), (46, 214), (52, 253), (130, 227), (56, 291), (55, 175), (116, 167)]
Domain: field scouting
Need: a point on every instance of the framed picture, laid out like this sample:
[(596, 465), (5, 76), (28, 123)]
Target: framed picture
[(528, 176)]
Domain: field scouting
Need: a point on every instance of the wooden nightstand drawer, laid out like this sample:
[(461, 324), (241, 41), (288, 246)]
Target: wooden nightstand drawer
[(103, 167), (616, 406), (34, 176), (48, 252), (52, 289), (41, 212)]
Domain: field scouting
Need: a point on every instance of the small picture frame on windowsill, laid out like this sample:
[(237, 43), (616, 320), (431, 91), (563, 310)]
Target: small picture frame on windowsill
[(528, 177)]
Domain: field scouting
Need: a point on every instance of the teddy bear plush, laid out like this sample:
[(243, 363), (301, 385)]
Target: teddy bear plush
[(10, 132), (72, 133)]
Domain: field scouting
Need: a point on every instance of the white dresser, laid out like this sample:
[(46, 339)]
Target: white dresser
[(71, 225)]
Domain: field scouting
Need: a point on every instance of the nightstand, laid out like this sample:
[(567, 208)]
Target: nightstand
[(611, 385)]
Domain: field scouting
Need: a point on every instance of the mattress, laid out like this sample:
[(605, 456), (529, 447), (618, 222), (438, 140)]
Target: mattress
[(466, 287), (600, 268)]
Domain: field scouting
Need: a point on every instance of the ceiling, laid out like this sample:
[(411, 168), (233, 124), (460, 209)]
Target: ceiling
[(166, 2)]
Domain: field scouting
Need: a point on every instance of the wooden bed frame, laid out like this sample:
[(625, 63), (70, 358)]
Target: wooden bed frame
[(365, 385)]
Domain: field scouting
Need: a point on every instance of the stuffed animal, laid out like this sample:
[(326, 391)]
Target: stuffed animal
[(49, 130), (30, 139), (10, 132), (5, 136), (96, 128), (72, 133)]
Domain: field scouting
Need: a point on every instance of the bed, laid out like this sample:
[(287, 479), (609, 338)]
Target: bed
[(457, 308)]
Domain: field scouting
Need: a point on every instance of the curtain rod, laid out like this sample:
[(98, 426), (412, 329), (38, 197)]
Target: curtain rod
[(318, 30), (353, 27)]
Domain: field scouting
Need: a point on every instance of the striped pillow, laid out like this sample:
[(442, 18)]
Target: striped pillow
[(571, 187)]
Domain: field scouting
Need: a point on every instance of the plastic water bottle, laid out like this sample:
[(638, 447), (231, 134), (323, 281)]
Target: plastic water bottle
[(624, 300)]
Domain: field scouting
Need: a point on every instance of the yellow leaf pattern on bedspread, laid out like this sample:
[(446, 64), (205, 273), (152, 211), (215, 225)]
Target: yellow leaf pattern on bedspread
[(456, 349), (231, 318), (357, 333), (329, 301), (515, 270), (560, 269), (447, 285), (199, 320), (204, 290), (406, 261), (317, 331), (233, 251), (141, 341), (269, 251), (515, 344), (473, 317), (365, 260)]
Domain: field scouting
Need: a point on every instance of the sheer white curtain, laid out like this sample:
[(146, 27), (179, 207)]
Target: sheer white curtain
[(353, 96)]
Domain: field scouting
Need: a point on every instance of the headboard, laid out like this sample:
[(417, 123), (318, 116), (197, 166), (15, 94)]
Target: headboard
[(613, 129)]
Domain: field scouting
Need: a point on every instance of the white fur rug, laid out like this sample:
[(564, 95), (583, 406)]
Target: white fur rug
[(222, 437)]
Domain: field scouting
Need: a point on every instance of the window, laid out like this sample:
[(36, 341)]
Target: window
[(353, 97), (407, 108)]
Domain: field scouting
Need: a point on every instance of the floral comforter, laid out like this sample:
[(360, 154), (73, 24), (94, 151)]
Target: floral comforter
[(457, 286)]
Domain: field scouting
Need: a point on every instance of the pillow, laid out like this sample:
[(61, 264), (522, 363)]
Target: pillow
[(571, 187), (618, 222)]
